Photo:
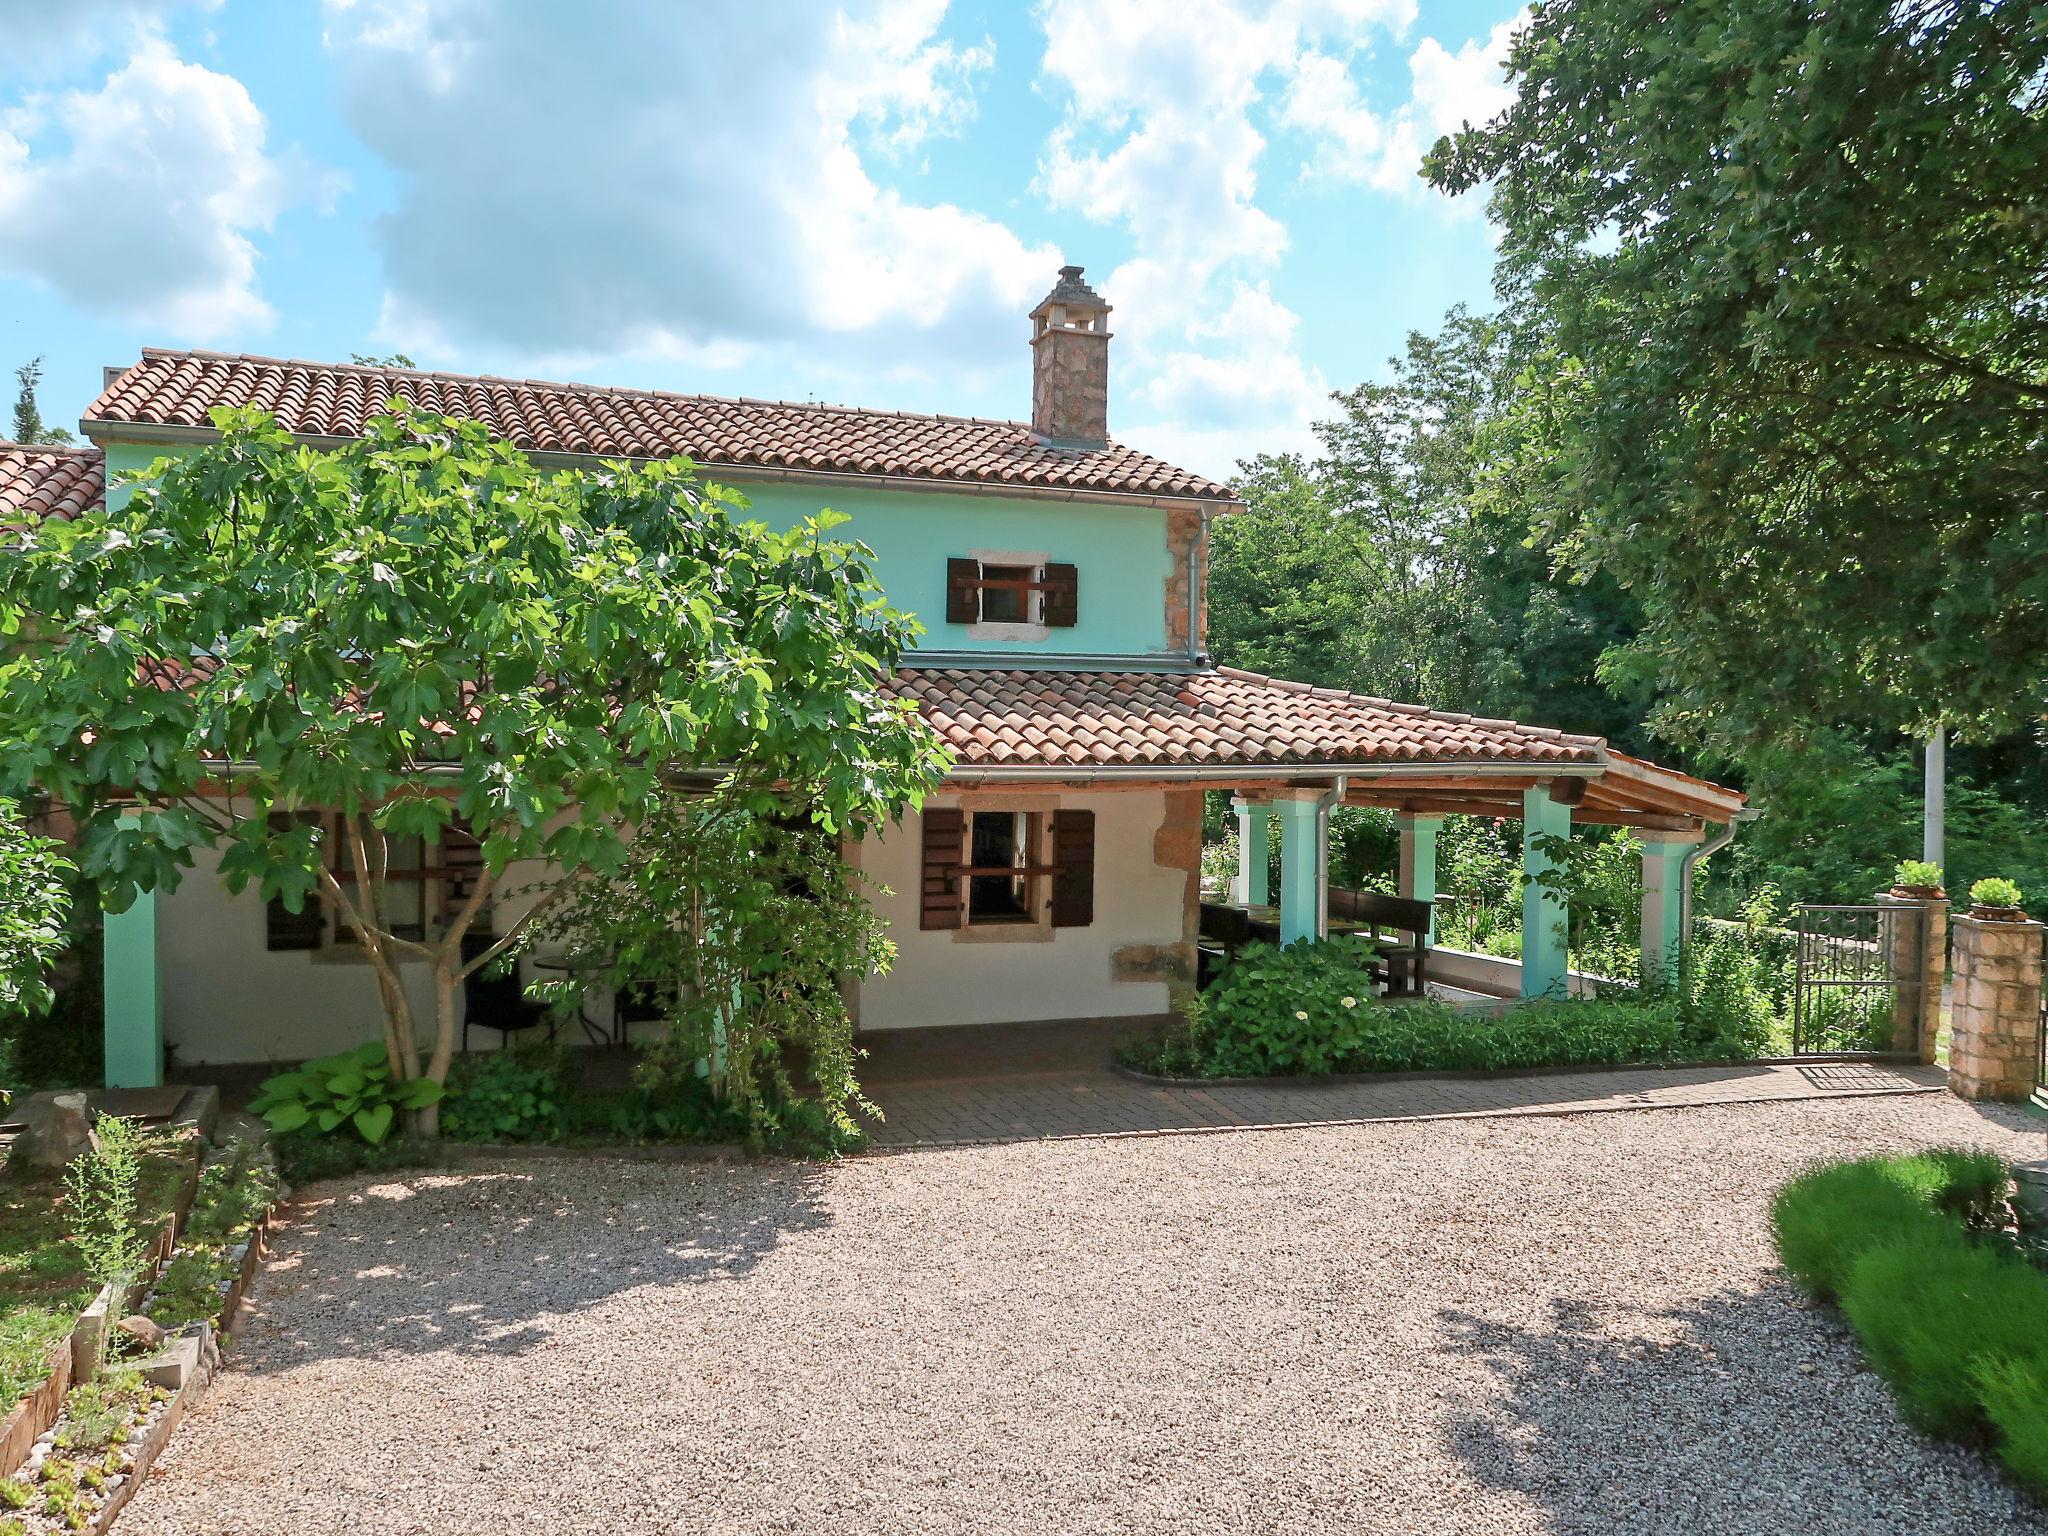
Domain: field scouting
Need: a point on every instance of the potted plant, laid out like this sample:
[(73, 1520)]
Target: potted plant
[(1996, 901), (1917, 880)]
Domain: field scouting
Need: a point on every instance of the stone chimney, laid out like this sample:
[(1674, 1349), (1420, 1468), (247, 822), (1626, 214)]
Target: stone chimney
[(1070, 365)]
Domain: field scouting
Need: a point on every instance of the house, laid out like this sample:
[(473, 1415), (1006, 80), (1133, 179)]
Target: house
[(1061, 580)]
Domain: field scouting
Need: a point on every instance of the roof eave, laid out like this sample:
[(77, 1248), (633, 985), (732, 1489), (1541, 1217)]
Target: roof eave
[(104, 429)]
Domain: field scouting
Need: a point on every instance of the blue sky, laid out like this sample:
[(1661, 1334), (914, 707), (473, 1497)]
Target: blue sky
[(747, 196)]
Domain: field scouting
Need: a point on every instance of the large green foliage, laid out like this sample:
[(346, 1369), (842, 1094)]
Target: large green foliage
[(1790, 267), (421, 629), (737, 919), (33, 901)]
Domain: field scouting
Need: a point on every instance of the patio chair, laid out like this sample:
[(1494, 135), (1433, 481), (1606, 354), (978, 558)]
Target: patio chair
[(497, 1001), (1224, 931)]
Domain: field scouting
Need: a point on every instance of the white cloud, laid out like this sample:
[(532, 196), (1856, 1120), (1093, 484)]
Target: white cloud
[(139, 199), (578, 183), (1169, 106), (40, 37), (1353, 142)]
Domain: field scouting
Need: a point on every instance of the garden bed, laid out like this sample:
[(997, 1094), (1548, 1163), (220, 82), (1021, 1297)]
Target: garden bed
[(49, 1311), (98, 1437)]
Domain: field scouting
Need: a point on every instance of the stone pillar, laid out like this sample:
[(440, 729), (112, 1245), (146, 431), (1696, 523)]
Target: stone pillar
[(1918, 963), (1996, 1013), (1663, 924), (1543, 903), (1249, 888), (1300, 883), (1418, 859), (131, 997)]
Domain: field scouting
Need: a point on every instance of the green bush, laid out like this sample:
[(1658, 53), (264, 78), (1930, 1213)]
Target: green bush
[(1933, 1310), (1827, 1219), (2015, 1398), (1309, 1009), (353, 1088), (306, 1158), (684, 1109), (510, 1095)]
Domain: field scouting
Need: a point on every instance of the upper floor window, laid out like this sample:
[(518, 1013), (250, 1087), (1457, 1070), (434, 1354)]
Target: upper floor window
[(1010, 595)]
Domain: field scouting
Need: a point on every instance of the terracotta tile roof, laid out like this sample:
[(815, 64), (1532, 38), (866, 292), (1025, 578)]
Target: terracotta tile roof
[(177, 389), (38, 482), (1223, 717)]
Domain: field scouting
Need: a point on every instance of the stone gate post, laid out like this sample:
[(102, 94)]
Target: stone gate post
[(1996, 1018), (1917, 963)]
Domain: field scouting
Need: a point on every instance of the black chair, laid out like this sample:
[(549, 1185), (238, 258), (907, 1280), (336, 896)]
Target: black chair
[(1225, 930), (633, 1003), (496, 1000)]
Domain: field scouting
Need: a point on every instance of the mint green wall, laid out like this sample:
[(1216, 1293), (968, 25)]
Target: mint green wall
[(1121, 553)]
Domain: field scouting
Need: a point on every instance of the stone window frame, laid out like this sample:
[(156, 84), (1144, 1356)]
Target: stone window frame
[(1032, 631)]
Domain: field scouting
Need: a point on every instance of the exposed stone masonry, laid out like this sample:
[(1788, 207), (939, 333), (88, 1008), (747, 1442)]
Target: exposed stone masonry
[(1995, 1013)]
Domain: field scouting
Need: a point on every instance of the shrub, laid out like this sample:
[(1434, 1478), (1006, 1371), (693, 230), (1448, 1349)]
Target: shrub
[(353, 1088), (1995, 892), (1933, 1310), (1916, 872), (234, 1192), (2015, 1398), (101, 1195), (306, 1158), (1827, 1219), (189, 1289), (511, 1095), (1309, 1009)]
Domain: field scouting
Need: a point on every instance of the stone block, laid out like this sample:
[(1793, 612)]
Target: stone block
[(2030, 1195), (55, 1128)]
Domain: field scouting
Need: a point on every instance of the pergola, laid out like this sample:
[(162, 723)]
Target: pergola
[(1289, 750)]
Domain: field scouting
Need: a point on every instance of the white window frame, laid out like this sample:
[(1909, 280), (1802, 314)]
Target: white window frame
[(1034, 628)]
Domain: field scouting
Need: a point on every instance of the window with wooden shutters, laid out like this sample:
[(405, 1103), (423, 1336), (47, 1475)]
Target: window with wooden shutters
[(991, 869), (424, 884), (1073, 880), (945, 841), (282, 927), (1017, 591)]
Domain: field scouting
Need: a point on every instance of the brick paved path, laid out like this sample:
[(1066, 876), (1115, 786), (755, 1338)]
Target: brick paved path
[(1029, 1082)]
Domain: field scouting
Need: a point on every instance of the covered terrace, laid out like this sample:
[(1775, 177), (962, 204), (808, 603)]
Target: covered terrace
[(1296, 752)]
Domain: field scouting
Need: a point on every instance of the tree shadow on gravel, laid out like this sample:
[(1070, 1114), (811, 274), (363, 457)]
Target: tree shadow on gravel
[(1750, 1413), (475, 1261)]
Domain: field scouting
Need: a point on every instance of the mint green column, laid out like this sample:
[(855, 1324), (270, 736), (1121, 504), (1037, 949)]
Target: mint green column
[(133, 996), (1543, 904), (1418, 859), (1300, 885), (1251, 888), (1663, 930)]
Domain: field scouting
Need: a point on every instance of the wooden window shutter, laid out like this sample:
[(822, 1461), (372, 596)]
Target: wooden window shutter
[(1073, 857), (963, 591), (945, 839), (461, 859), (286, 929), (1062, 596)]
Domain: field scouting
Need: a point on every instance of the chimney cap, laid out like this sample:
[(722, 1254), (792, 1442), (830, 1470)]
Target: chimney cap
[(1072, 292)]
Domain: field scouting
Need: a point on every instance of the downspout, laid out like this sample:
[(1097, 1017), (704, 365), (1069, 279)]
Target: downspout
[(1714, 844), (1325, 804)]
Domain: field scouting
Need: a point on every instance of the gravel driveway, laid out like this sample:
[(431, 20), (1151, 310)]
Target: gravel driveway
[(1563, 1325)]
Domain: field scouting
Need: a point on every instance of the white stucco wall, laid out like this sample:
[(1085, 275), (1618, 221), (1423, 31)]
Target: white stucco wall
[(942, 978), (226, 998)]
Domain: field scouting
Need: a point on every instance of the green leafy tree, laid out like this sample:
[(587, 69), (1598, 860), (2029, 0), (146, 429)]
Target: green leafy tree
[(29, 426), (422, 630), (33, 902), (737, 919), (1790, 263)]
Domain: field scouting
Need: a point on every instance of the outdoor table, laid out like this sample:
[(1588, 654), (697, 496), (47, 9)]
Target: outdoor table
[(571, 965)]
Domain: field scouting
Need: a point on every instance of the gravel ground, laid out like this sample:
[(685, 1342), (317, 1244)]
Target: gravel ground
[(1564, 1325)]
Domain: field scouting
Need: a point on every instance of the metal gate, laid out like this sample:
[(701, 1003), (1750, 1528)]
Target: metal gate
[(1860, 978)]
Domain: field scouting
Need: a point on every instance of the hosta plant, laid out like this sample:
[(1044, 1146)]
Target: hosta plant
[(353, 1088)]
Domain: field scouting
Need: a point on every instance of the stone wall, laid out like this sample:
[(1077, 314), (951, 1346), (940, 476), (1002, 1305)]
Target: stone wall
[(1996, 1009), (1184, 533), (1176, 845), (1918, 961)]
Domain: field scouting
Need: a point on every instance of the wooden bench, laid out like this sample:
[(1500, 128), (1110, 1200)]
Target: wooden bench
[(1225, 930), (1398, 915)]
